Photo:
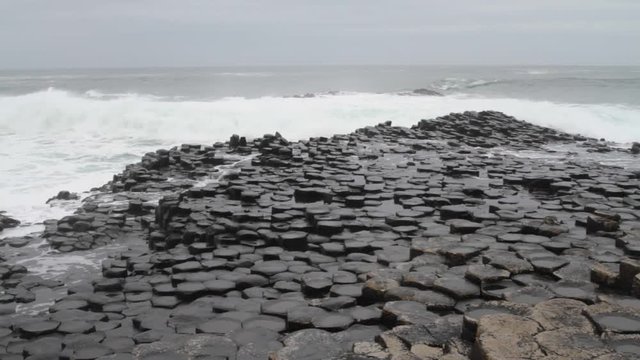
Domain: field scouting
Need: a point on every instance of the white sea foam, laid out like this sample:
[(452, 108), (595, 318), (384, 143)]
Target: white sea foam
[(246, 74), (53, 140), (537, 72), (145, 117)]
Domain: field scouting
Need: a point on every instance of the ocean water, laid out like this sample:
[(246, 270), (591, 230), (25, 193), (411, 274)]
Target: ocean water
[(73, 129)]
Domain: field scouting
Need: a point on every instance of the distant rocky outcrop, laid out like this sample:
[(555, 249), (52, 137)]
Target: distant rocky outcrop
[(426, 92), (305, 96), (420, 92), (64, 195)]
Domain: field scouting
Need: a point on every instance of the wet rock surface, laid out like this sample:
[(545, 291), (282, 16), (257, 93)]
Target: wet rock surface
[(387, 243), (7, 222), (64, 195)]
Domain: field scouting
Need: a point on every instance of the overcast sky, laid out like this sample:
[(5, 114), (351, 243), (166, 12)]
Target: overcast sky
[(133, 33)]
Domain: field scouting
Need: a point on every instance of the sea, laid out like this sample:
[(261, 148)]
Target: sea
[(73, 129)]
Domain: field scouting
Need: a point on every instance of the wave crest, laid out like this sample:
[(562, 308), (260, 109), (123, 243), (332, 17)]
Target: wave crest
[(141, 116)]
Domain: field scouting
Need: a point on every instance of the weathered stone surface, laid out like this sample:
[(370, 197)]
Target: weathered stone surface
[(406, 312), (457, 288), (189, 347), (219, 326), (506, 336), (308, 344), (561, 313), (485, 274), (37, 328), (386, 243), (332, 322), (569, 344)]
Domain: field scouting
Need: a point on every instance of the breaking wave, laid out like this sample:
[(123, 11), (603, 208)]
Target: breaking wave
[(84, 117)]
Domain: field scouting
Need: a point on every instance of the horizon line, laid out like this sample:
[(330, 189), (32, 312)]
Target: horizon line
[(133, 67)]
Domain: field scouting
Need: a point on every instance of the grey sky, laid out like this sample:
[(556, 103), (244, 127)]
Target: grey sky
[(122, 33)]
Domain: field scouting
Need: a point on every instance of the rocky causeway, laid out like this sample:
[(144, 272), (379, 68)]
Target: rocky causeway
[(429, 242)]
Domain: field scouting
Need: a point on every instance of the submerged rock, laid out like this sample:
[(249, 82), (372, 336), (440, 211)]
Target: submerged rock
[(64, 195)]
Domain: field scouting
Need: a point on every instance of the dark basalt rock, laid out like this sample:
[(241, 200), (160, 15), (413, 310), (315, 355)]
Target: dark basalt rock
[(64, 195), (485, 274), (7, 222), (460, 226), (310, 195), (602, 223), (406, 312), (426, 92), (219, 326), (549, 264), (457, 287), (18, 242), (301, 317), (332, 322), (387, 243), (38, 328)]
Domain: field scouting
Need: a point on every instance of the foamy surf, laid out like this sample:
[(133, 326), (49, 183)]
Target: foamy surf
[(141, 116)]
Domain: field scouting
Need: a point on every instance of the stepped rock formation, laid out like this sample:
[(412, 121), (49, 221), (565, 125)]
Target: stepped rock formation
[(427, 242)]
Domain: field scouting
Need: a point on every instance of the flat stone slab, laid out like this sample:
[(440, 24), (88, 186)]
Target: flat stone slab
[(38, 328), (457, 288)]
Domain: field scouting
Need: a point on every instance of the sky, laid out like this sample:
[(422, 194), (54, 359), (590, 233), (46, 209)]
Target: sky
[(139, 33)]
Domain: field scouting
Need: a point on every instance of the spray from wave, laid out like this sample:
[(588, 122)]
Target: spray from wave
[(149, 117)]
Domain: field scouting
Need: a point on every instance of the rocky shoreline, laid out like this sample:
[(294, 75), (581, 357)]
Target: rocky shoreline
[(386, 243)]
